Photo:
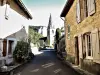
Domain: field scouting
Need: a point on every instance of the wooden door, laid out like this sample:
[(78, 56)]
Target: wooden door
[(4, 47), (10, 47), (76, 51)]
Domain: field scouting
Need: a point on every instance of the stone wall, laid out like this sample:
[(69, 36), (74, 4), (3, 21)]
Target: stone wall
[(88, 24), (90, 66)]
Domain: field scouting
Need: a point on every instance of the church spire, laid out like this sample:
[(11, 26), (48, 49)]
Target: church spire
[(50, 21)]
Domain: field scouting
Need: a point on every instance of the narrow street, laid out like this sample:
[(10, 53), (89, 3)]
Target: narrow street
[(45, 63)]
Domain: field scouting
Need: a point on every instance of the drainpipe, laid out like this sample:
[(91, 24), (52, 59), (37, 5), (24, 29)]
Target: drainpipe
[(62, 18), (65, 32)]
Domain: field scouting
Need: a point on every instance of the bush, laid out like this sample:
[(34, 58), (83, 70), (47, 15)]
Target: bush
[(30, 57), (21, 52)]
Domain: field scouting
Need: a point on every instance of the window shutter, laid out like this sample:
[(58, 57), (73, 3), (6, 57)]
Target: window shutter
[(4, 2), (95, 46), (91, 6), (80, 46), (78, 11)]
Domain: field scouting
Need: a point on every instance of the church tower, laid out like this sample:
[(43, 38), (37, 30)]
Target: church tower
[(50, 32)]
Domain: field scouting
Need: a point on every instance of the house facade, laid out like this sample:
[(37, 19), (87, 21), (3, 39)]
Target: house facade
[(7, 43), (82, 27)]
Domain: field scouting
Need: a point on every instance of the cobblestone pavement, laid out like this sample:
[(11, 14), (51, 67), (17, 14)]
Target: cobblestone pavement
[(45, 63)]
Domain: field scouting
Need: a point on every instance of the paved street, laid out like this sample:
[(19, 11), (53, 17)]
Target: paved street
[(46, 63)]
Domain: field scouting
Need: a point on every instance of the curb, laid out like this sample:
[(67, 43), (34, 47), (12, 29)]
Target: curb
[(74, 67), (77, 69)]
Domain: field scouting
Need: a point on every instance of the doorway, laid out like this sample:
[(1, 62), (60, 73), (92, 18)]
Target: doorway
[(76, 51), (4, 47), (10, 48)]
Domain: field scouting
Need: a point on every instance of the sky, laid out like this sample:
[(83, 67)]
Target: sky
[(40, 10)]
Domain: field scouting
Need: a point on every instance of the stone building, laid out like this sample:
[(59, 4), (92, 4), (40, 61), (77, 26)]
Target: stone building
[(8, 41), (82, 25)]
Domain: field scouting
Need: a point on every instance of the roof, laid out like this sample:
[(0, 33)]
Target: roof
[(13, 34), (20, 6), (43, 38), (66, 8)]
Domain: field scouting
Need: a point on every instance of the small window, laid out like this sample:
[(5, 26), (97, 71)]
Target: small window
[(68, 31), (85, 8), (89, 45)]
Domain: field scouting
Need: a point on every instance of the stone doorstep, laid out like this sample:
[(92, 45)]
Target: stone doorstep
[(78, 69), (10, 70), (60, 57)]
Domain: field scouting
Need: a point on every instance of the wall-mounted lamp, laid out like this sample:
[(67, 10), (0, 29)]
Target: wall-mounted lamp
[(6, 16)]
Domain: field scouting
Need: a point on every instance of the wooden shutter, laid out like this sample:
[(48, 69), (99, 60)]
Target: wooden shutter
[(91, 6), (95, 46), (80, 46), (4, 2), (82, 9), (78, 14)]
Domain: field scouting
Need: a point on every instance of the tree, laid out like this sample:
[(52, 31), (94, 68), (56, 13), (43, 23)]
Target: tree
[(20, 53), (34, 36), (57, 35)]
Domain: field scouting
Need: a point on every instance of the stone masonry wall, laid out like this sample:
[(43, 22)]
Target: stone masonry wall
[(88, 24)]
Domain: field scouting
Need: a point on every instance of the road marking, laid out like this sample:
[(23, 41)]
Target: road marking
[(18, 73), (36, 70), (47, 65), (58, 70)]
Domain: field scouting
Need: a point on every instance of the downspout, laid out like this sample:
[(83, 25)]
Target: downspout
[(65, 34)]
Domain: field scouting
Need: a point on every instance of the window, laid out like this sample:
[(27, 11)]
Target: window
[(88, 45), (84, 9), (68, 31)]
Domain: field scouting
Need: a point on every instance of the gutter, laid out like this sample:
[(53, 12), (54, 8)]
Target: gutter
[(66, 8), (62, 18), (22, 7)]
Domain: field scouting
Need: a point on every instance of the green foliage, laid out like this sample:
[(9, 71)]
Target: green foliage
[(34, 36), (48, 42), (62, 29), (20, 53), (57, 35)]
